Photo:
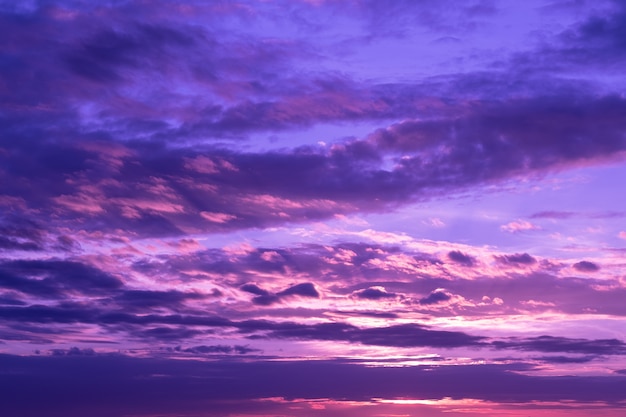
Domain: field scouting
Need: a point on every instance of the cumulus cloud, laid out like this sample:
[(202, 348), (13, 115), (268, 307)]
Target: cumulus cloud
[(438, 296), (373, 293), (516, 259), (586, 266), (461, 258)]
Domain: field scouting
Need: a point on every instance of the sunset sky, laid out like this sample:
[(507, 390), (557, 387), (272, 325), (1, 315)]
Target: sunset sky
[(293, 208)]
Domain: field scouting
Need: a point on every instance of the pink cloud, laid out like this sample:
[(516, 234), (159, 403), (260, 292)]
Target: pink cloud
[(82, 203), (205, 165), (519, 226), (435, 222), (217, 217)]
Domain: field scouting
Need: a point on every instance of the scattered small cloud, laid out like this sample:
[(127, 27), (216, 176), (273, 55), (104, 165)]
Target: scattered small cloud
[(519, 226)]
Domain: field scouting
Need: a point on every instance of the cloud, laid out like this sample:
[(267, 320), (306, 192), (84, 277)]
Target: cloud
[(217, 217), (73, 351), (373, 293), (254, 289), (20, 233), (145, 299), (265, 298), (586, 266), (165, 333), (105, 56), (516, 259), (438, 296), (305, 289), (553, 215), (192, 385), (461, 258), (571, 214), (566, 359), (435, 222), (11, 301), (519, 226), (218, 349), (148, 188), (402, 335), (562, 344), (56, 278)]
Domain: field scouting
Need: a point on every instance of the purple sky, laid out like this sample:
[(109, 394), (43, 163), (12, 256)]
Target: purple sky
[(312, 208)]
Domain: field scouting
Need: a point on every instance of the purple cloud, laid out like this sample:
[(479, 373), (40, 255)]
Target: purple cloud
[(461, 258), (374, 293), (586, 266), (517, 259), (231, 380), (435, 297)]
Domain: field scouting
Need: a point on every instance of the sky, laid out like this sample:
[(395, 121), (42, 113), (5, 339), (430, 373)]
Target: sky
[(288, 208)]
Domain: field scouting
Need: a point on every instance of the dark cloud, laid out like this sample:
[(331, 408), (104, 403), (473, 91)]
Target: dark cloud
[(165, 333), (517, 259), (375, 314), (565, 345), (265, 298), (156, 190), (306, 289), (219, 349), (254, 289), (179, 327), (20, 233), (586, 266), (65, 386), (176, 327), (435, 297), (122, 121), (56, 278), (14, 244), (73, 351), (405, 335), (461, 258), (603, 32), (553, 215), (566, 359), (11, 301), (571, 214), (103, 57), (373, 293), (521, 288), (145, 299)]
